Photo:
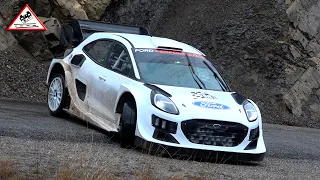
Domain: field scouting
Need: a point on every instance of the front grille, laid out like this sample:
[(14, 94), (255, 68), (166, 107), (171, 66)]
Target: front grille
[(214, 133)]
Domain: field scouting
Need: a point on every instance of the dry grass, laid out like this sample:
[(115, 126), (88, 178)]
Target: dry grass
[(187, 177), (145, 174), (68, 172), (7, 170), (86, 167)]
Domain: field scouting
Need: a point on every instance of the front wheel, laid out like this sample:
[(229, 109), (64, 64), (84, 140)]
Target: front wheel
[(128, 125), (56, 95)]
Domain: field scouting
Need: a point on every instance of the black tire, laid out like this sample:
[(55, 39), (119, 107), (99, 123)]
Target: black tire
[(128, 125), (59, 111)]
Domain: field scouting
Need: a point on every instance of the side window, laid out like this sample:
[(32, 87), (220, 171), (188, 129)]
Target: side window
[(119, 60), (99, 50)]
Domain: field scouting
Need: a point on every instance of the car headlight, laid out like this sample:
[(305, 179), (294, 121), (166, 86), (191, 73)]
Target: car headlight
[(163, 103), (251, 111)]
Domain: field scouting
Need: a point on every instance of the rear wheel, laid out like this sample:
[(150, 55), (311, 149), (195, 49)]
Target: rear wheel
[(56, 95), (128, 125)]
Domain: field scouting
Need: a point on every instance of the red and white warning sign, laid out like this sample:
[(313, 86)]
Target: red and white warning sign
[(26, 20)]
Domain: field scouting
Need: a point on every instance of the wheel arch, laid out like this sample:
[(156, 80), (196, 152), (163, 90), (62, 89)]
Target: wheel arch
[(57, 66), (125, 97)]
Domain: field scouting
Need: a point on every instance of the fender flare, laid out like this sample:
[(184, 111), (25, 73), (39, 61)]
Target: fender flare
[(134, 91), (54, 62)]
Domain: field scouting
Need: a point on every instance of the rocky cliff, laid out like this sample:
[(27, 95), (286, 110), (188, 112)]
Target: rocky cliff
[(267, 50), (302, 99)]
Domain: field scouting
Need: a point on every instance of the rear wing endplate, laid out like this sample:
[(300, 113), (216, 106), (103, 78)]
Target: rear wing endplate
[(78, 30)]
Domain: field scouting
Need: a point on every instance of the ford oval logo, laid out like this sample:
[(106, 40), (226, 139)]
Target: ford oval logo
[(211, 105)]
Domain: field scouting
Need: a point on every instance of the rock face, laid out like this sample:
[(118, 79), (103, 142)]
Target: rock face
[(69, 8), (251, 42), (300, 92), (305, 31), (6, 38), (93, 8), (137, 12)]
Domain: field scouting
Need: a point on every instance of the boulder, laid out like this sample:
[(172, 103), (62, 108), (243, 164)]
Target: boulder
[(293, 11), (64, 9), (309, 21), (39, 49), (80, 9), (315, 62), (94, 9), (250, 79), (288, 2), (313, 48), (6, 38), (53, 31), (46, 41), (305, 14), (295, 52), (293, 103), (315, 111), (41, 7), (299, 93), (297, 35), (293, 73)]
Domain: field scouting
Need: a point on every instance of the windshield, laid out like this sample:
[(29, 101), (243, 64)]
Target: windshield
[(172, 69)]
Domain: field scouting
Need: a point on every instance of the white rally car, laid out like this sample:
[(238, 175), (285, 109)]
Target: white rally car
[(152, 90)]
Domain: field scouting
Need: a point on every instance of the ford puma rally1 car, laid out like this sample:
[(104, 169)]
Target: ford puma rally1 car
[(150, 89)]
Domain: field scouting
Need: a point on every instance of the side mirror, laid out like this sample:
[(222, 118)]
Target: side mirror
[(78, 60)]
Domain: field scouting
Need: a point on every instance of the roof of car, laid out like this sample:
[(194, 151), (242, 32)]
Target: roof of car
[(143, 41)]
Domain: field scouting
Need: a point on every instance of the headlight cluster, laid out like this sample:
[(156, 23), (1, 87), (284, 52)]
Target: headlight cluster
[(163, 103), (251, 111)]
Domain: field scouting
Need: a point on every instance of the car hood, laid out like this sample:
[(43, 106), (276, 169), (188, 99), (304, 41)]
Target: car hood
[(206, 104)]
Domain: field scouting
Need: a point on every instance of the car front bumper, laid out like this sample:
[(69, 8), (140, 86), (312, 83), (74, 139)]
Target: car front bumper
[(146, 132), (195, 154)]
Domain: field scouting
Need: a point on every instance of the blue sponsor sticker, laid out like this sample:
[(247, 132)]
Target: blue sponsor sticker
[(70, 57), (211, 105)]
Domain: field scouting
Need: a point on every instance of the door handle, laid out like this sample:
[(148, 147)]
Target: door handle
[(102, 78)]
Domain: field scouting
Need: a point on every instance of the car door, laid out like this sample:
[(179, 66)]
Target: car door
[(98, 51), (116, 70)]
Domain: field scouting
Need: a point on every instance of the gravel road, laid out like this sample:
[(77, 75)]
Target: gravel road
[(41, 146)]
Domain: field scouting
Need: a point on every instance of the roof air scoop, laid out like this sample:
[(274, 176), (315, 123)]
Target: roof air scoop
[(169, 48)]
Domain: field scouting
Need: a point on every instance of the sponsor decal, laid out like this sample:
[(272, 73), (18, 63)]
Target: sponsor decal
[(146, 50), (215, 127), (196, 56), (197, 95), (169, 52), (70, 57), (26, 20), (211, 105)]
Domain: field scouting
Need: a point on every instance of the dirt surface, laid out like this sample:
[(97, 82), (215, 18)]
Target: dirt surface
[(21, 76), (44, 147)]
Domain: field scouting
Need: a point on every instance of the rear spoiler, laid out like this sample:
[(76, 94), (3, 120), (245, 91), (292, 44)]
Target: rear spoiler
[(78, 30)]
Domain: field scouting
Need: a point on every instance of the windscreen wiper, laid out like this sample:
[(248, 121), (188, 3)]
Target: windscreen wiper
[(195, 76), (220, 81), (223, 86)]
